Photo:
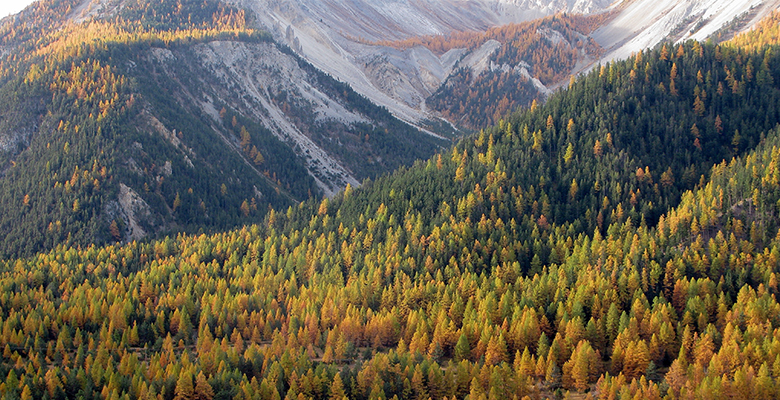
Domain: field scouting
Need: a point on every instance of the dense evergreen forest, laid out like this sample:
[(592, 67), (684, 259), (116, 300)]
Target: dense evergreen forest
[(620, 240), (103, 143)]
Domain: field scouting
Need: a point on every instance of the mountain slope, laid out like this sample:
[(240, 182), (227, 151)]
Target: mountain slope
[(140, 120), (339, 37), (356, 41), (643, 24), (766, 32), (371, 20), (511, 66)]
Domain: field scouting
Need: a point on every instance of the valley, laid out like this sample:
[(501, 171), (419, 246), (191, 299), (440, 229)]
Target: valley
[(481, 199)]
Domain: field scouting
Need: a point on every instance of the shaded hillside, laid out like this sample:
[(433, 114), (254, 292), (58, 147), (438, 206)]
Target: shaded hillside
[(596, 243), (127, 125)]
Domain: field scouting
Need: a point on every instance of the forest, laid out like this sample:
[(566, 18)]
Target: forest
[(620, 240)]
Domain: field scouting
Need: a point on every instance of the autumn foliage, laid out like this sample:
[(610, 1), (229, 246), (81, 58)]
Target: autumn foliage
[(569, 248)]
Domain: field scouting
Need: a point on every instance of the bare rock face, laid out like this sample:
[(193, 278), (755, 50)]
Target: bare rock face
[(375, 20), (327, 129), (132, 209), (337, 36), (259, 72)]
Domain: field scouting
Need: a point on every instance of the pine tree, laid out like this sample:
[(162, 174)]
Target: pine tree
[(568, 154), (635, 359), (26, 393), (597, 150), (337, 388), (496, 352), (203, 390), (462, 348), (184, 389)]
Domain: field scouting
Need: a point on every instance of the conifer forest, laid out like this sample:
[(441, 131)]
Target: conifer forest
[(619, 239)]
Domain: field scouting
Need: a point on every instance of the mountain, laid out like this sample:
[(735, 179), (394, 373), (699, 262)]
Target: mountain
[(121, 120), (376, 47), (124, 120), (373, 21), (341, 38), (618, 240)]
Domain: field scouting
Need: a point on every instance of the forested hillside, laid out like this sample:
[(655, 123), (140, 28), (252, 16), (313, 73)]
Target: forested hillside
[(621, 239), (68, 117), (116, 127)]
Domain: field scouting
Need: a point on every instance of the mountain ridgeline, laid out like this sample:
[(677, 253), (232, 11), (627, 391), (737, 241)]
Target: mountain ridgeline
[(620, 239), (132, 123)]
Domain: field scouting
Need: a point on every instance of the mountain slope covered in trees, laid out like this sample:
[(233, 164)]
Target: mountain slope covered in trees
[(621, 239), (133, 122)]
